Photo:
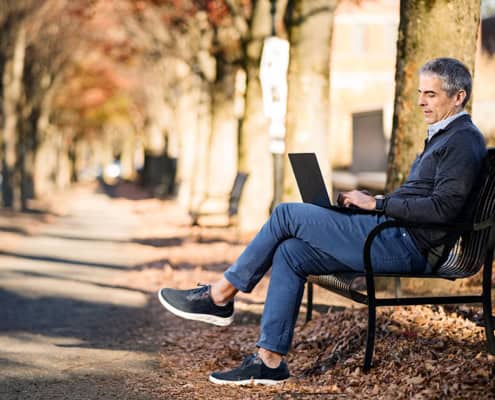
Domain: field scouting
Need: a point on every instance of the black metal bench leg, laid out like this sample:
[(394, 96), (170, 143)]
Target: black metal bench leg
[(309, 311), (487, 306), (489, 327), (370, 334), (370, 337)]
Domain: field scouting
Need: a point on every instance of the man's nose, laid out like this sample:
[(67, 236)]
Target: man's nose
[(421, 100)]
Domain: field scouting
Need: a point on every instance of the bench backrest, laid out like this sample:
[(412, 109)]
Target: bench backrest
[(236, 192), (468, 255)]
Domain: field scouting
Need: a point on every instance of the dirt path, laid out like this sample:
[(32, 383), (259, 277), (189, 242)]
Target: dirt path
[(65, 326)]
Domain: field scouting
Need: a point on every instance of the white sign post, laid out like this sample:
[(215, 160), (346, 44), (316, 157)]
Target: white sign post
[(273, 75)]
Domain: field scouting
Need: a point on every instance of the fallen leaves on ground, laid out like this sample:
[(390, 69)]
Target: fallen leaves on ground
[(421, 352)]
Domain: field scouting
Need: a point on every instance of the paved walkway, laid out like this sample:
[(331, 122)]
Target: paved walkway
[(65, 328)]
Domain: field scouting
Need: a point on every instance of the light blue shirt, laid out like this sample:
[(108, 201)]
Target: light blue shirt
[(437, 126)]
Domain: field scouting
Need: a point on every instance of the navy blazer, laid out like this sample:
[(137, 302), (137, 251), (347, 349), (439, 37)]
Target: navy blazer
[(440, 181)]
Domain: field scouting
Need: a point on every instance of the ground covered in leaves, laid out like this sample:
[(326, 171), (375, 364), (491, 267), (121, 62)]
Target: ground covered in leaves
[(421, 352)]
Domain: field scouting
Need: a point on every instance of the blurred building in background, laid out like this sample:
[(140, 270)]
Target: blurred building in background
[(362, 70), (362, 89)]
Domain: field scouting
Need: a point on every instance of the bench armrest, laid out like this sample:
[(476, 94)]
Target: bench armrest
[(487, 223), (398, 223)]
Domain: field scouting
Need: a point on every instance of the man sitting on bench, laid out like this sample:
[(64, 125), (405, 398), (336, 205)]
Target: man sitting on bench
[(301, 239)]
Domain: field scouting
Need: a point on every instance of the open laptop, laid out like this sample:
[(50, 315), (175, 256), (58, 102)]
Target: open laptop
[(310, 179), (311, 184)]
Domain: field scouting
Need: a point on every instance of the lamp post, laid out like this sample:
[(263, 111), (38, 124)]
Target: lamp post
[(273, 75)]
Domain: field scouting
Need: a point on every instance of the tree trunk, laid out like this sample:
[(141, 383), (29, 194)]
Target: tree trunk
[(154, 142), (12, 93), (74, 161), (254, 155), (43, 157), (63, 172), (219, 162), (222, 164), (420, 40), (45, 162), (156, 124), (27, 146), (128, 153), (187, 128), (201, 148), (310, 33)]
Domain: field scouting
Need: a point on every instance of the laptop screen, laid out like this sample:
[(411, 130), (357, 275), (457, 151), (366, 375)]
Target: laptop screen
[(309, 179)]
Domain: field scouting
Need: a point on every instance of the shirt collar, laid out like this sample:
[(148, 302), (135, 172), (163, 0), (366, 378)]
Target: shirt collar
[(433, 129)]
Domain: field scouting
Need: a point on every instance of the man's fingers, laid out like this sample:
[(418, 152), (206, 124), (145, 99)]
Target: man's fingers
[(346, 201)]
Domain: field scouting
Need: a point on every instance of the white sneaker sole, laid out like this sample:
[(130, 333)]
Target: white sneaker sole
[(245, 382), (208, 318)]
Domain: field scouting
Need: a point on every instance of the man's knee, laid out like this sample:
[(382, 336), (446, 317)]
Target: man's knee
[(286, 211), (290, 253), (280, 208), (281, 214)]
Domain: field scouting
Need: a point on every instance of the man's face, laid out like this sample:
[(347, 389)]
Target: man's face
[(434, 101)]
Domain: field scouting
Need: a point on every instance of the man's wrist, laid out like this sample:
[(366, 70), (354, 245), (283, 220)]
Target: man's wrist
[(379, 202)]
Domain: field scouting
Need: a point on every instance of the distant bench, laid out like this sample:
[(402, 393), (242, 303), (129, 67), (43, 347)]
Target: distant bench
[(233, 203), (472, 252)]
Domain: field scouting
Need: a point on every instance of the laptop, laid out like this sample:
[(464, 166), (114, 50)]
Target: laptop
[(311, 184), (309, 179)]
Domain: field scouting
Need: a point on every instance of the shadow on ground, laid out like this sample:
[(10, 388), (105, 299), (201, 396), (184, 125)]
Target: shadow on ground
[(59, 260), (96, 325), (73, 388)]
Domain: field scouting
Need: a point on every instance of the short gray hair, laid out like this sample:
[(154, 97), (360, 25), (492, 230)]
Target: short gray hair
[(454, 74)]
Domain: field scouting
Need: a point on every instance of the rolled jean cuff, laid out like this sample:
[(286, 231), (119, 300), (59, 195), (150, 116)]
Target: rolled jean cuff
[(276, 349), (236, 282)]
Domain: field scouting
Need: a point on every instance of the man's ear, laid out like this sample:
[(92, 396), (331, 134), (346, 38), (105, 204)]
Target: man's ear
[(460, 96)]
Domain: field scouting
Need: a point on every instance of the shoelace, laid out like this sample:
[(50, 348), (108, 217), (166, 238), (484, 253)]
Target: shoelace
[(252, 359), (198, 293), (200, 286)]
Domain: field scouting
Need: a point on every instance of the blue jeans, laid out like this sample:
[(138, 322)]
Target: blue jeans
[(301, 239)]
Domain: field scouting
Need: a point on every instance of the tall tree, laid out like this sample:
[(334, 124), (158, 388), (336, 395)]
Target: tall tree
[(52, 46), (13, 42), (420, 40), (427, 29), (311, 25), (35, 44), (230, 22)]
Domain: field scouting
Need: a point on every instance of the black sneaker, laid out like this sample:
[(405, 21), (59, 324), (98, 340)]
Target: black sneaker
[(196, 304), (252, 371)]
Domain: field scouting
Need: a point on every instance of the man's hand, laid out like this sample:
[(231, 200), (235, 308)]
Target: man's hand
[(357, 198)]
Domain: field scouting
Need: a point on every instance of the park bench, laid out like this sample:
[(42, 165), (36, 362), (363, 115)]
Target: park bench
[(233, 203), (472, 252)]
